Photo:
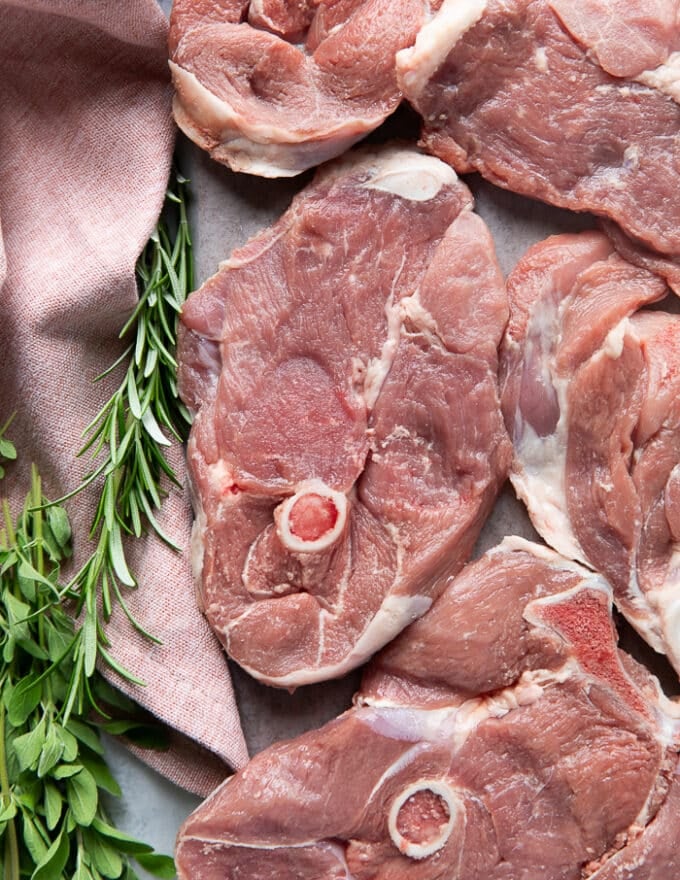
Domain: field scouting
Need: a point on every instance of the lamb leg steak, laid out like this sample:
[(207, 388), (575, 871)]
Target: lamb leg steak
[(272, 87), (591, 396), (574, 103), (348, 441), (502, 736)]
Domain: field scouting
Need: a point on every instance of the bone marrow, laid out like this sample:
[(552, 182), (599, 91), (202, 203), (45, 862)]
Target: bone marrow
[(312, 519), (422, 817)]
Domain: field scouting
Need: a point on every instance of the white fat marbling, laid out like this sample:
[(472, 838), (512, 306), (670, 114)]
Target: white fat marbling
[(541, 59), (665, 78), (665, 601), (411, 175), (378, 367), (417, 64), (612, 346), (540, 482), (538, 474)]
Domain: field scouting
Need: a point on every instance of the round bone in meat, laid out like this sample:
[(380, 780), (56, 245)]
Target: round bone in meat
[(312, 519), (422, 817), (273, 88), (591, 395), (502, 735), (348, 441)]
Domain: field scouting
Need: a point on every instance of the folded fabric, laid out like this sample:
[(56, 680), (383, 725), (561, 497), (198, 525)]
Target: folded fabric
[(86, 140)]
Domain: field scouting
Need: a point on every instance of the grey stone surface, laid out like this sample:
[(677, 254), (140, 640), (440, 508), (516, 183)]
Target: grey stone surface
[(151, 808)]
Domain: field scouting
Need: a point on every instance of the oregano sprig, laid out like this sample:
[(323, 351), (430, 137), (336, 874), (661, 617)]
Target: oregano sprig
[(53, 823)]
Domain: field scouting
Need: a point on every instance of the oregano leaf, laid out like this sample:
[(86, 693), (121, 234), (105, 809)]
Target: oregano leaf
[(123, 841), (8, 811), (65, 771), (7, 449), (28, 747), (87, 735), (52, 804), (17, 612), (23, 699), (101, 773), (58, 640), (82, 872), (32, 648), (52, 751), (104, 857), (82, 796), (158, 865), (60, 526), (32, 838), (70, 744), (54, 861)]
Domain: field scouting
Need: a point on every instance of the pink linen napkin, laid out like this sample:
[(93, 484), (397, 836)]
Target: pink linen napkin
[(86, 139)]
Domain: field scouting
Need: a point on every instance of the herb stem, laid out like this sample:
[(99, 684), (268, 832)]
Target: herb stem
[(11, 842), (36, 485), (9, 525), (37, 513)]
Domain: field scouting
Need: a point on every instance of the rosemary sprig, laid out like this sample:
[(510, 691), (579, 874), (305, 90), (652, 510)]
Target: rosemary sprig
[(53, 824), (52, 772), (127, 439)]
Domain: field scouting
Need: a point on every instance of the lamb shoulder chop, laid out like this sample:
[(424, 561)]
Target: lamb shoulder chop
[(272, 88)]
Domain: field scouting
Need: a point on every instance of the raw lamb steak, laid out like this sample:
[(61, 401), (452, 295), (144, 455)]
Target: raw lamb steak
[(574, 103), (348, 442), (273, 88), (591, 396), (502, 736)]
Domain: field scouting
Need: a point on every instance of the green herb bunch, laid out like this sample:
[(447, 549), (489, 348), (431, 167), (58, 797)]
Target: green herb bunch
[(53, 823)]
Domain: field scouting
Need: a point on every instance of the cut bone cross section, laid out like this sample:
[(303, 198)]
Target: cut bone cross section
[(422, 817), (312, 519)]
